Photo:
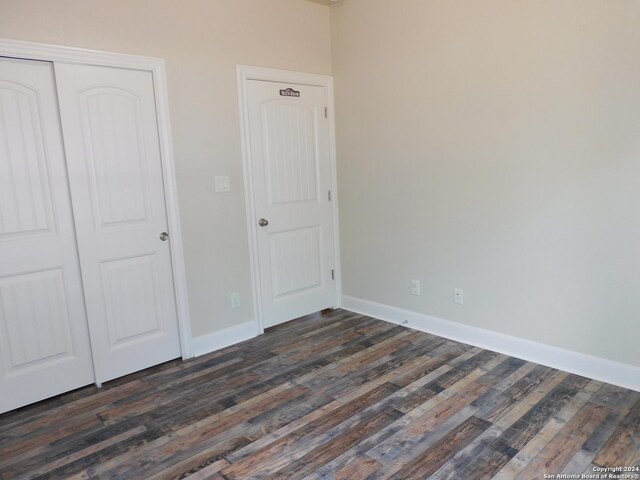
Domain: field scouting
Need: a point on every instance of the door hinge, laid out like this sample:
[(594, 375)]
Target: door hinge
[(333, 274), (329, 195), (326, 112)]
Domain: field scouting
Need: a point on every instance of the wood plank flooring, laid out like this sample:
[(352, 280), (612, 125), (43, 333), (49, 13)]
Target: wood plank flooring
[(330, 396)]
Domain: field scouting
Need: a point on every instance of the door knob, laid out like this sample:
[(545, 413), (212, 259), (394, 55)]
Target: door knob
[(164, 236), (263, 222)]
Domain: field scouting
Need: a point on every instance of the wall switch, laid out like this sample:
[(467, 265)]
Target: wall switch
[(235, 300), (415, 287), (223, 184), (458, 296)]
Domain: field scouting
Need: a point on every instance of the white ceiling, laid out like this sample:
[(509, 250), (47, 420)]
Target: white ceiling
[(324, 2)]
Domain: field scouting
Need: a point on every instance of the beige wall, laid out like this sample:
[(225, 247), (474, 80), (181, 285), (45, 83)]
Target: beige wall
[(494, 146), (491, 146), (201, 41)]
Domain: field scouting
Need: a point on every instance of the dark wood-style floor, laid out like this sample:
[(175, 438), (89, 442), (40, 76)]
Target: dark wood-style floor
[(334, 395)]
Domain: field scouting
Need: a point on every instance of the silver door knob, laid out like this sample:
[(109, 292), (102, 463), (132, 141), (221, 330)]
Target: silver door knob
[(263, 222), (164, 236)]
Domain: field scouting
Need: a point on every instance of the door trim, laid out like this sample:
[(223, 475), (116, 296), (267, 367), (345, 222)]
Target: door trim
[(245, 73), (63, 54)]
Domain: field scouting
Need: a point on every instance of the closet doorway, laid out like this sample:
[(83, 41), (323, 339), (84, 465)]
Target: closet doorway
[(91, 270)]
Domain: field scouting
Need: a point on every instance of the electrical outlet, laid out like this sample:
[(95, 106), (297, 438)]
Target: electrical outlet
[(415, 287), (458, 296), (235, 300), (223, 184)]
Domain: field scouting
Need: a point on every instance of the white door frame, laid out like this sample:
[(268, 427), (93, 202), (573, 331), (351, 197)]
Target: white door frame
[(245, 73), (60, 54)]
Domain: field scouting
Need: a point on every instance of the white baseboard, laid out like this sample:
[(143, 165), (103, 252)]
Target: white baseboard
[(224, 338), (609, 371)]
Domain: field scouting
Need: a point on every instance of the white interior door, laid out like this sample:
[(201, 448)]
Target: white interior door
[(115, 172), (44, 343), (291, 175)]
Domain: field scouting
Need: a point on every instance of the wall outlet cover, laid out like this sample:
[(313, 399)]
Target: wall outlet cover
[(223, 184), (235, 300), (458, 296)]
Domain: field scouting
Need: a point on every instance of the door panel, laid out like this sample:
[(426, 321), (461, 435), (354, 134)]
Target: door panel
[(296, 261), (34, 331), (44, 343), (115, 172), (291, 172), (114, 137), (290, 152), (131, 299), (24, 188)]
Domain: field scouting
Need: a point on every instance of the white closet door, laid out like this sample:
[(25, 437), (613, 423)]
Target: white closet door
[(44, 344), (113, 155)]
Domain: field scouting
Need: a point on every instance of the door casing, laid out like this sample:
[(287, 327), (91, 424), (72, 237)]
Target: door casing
[(62, 54), (245, 73)]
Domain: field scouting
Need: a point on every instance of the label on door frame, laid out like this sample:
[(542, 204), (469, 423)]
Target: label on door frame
[(289, 92)]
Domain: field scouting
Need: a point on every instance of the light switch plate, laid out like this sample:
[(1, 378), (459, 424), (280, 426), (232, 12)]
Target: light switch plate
[(223, 184)]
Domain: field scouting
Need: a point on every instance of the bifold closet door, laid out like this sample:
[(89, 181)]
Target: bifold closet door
[(115, 172), (44, 343)]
